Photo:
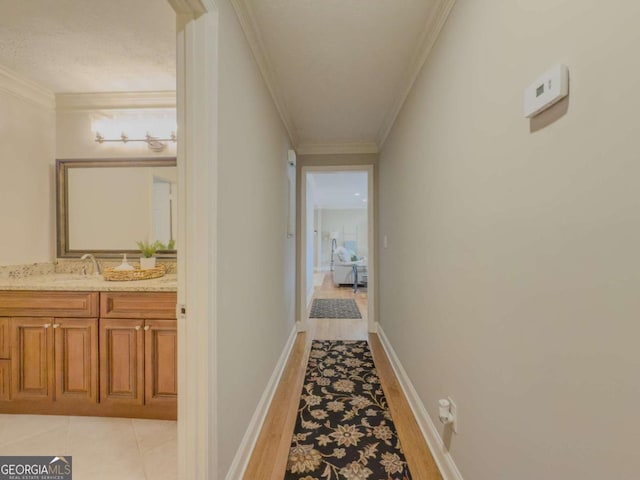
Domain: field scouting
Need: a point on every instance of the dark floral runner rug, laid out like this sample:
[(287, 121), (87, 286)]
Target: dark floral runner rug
[(344, 428)]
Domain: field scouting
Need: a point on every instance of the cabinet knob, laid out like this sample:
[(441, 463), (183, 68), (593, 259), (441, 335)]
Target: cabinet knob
[(46, 325), (137, 327), (146, 327), (56, 325)]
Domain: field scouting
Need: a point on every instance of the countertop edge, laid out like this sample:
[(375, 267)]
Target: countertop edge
[(61, 282)]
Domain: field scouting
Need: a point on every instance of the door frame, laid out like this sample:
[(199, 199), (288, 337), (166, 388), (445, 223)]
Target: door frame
[(301, 321), (197, 30)]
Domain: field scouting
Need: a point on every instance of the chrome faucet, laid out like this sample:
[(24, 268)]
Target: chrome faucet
[(96, 266)]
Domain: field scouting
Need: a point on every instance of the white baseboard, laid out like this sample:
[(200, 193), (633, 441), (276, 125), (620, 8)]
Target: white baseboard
[(443, 458), (243, 454)]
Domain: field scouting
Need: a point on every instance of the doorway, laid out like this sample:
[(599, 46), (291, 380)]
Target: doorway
[(337, 245)]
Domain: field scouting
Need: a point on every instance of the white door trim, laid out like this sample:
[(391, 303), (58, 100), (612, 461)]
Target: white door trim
[(197, 94), (302, 245)]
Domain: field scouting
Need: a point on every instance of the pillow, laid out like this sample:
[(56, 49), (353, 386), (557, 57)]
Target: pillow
[(343, 255)]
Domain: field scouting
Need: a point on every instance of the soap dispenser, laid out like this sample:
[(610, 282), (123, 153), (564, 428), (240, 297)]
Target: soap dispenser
[(124, 265)]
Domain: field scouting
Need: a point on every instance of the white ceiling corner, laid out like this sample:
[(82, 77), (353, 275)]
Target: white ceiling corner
[(16, 85), (192, 7), (252, 32), (337, 148), (429, 37), (339, 72)]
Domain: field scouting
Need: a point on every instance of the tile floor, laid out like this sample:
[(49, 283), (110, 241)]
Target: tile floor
[(102, 448)]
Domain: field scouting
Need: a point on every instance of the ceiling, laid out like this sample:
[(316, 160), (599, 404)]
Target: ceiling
[(338, 70), (71, 46), (339, 190)]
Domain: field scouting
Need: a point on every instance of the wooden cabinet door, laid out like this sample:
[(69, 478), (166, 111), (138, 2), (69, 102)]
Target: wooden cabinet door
[(32, 358), (5, 380), (121, 361), (161, 362), (76, 357), (5, 354), (5, 335)]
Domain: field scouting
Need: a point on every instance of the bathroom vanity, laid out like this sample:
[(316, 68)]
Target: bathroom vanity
[(73, 345)]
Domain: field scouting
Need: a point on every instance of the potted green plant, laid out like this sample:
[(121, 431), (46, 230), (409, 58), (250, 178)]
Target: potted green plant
[(168, 246), (148, 251)]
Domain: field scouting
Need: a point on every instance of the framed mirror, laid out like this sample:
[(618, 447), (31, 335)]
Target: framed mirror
[(106, 206)]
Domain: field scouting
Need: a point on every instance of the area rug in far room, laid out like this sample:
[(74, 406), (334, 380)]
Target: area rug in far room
[(334, 308), (344, 428)]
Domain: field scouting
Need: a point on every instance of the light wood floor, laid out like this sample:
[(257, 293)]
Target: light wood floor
[(269, 458), (338, 328)]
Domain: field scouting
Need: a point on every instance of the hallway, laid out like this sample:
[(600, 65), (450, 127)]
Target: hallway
[(269, 458)]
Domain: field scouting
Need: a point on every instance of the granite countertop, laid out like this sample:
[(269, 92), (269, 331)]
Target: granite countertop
[(88, 283)]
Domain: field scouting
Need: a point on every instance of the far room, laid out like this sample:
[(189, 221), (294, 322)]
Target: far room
[(337, 244)]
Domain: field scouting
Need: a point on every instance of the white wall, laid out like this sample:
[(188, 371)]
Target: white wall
[(511, 279), (317, 247), (255, 257), (310, 236), (76, 139), (27, 152)]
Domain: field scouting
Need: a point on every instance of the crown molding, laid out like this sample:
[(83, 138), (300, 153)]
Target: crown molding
[(190, 7), (249, 25), (114, 100), (15, 85), (336, 148), (428, 39), (193, 7)]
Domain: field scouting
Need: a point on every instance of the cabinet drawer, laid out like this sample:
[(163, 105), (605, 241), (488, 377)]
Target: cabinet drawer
[(160, 305), (48, 304)]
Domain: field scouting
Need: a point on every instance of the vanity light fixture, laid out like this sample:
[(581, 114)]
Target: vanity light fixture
[(154, 143)]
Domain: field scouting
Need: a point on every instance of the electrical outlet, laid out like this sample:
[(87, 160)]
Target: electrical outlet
[(454, 413), (384, 242)]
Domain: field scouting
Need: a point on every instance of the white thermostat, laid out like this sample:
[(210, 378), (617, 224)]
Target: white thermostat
[(548, 89)]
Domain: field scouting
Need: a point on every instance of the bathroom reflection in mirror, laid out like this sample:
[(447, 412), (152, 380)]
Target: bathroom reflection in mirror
[(106, 206)]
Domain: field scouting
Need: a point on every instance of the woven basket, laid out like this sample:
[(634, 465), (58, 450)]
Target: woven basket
[(113, 275)]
